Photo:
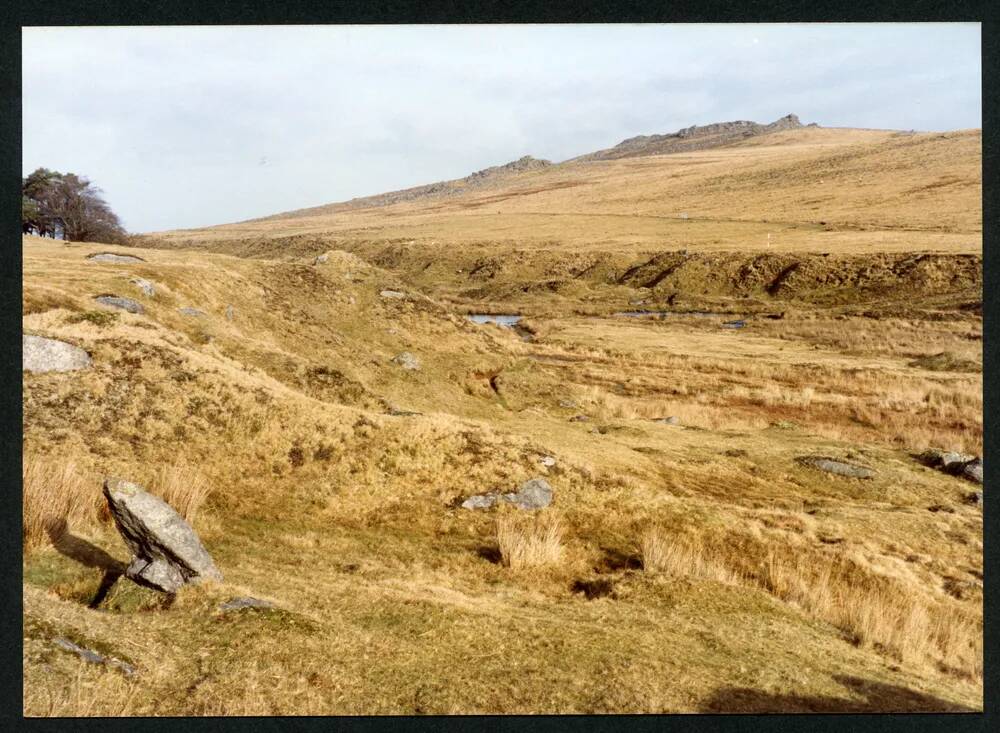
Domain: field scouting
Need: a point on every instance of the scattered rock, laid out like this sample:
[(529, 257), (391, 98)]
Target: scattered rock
[(235, 604), (973, 470), (579, 418), (568, 404), (188, 311), (93, 657), (40, 354), (145, 286), (167, 552), (393, 294), (111, 257), (832, 465), (481, 501), (533, 494), (672, 420), (547, 461), (734, 324), (407, 361), (230, 313), (125, 304), (321, 259)]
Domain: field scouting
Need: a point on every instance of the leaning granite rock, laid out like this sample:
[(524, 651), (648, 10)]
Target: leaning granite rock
[(125, 304), (111, 257), (393, 294), (407, 361), (839, 468), (93, 657), (145, 286), (189, 311), (167, 552), (40, 354), (235, 604)]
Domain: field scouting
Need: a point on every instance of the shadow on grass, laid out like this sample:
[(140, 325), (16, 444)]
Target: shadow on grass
[(89, 554), (878, 698)]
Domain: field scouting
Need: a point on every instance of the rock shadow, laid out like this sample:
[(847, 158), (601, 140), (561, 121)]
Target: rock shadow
[(89, 554), (878, 697)]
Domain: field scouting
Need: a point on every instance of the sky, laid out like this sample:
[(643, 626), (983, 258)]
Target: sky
[(192, 126)]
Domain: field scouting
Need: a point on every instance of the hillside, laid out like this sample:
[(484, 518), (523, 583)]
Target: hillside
[(812, 294)]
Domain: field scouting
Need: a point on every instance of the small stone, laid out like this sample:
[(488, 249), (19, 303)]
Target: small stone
[(235, 604), (831, 465), (672, 420), (188, 311), (111, 257), (407, 361), (93, 657), (393, 294), (480, 501), (40, 354), (125, 304), (568, 404), (547, 461), (145, 286), (321, 259), (533, 494)]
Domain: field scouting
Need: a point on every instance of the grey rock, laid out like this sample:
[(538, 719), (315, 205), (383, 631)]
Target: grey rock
[(393, 294), (480, 501), (533, 494), (568, 404), (672, 420), (40, 354), (125, 304), (943, 459), (167, 552), (547, 461), (235, 604), (407, 361), (93, 657), (973, 470), (321, 259), (189, 311), (145, 286), (734, 324), (111, 257), (230, 313), (839, 468)]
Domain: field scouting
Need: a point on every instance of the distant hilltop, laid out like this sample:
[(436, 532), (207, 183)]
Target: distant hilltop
[(696, 137)]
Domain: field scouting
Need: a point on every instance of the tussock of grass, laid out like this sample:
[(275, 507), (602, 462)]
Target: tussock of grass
[(57, 494), (182, 486), (529, 540), (872, 609)]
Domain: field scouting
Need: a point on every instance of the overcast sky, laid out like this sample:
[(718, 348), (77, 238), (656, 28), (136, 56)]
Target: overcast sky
[(192, 126)]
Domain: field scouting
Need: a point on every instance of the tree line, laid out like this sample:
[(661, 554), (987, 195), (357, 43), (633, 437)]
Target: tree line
[(67, 206)]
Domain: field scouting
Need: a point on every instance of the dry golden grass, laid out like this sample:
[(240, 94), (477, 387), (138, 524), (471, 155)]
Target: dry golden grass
[(56, 495), (529, 541), (182, 486)]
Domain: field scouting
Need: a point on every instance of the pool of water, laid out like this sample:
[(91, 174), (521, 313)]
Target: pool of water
[(502, 320)]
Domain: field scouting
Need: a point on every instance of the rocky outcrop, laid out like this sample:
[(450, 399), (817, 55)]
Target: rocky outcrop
[(696, 137), (167, 552), (40, 354), (113, 258)]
